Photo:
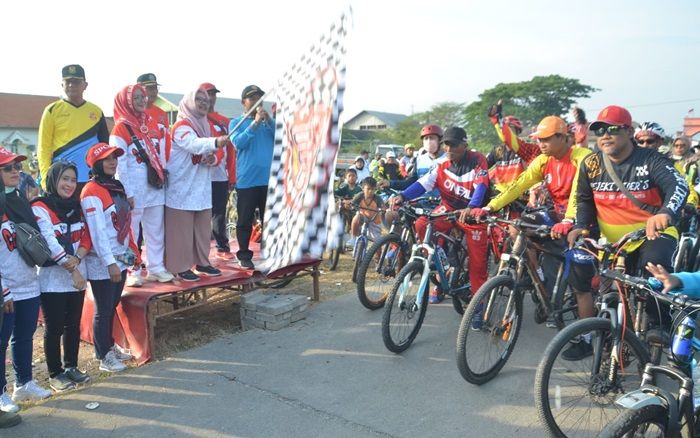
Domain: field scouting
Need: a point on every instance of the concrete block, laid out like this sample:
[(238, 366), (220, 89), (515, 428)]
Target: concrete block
[(277, 324), (299, 316), (253, 299), (248, 324), (275, 307), (272, 318), (303, 308), (298, 300)]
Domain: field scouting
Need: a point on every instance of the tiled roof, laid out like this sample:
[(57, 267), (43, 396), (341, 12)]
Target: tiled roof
[(22, 110)]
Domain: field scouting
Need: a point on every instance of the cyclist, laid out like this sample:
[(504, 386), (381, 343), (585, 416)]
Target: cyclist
[(556, 169), (462, 181), (654, 196), (346, 192), (367, 203)]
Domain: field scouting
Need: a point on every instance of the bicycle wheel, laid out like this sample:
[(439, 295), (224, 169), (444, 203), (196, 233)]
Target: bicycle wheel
[(460, 278), (647, 421), (486, 338), (576, 398), (332, 255), (358, 254), (402, 317), (380, 265), (682, 260), (564, 306)]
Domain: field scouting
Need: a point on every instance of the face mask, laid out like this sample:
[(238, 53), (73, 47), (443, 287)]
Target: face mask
[(9, 189)]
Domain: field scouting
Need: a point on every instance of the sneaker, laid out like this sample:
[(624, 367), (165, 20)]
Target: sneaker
[(246, 263), (9, 419), (160, 277), (30, 391), (188, 276), (111, 364), (134, 281), (350, 243), (76, 375), (209, 271), (551, 323), (6, 403), (478, 318), (436, 297), (122, 354), (61, 383), (577, 351)]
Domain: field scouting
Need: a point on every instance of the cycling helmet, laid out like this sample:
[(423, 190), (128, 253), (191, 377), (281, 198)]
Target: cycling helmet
[(650, 127), (513, 122), (431, 130)]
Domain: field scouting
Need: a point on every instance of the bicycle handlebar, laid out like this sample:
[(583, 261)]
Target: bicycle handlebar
[(677, 300), (519, 224)]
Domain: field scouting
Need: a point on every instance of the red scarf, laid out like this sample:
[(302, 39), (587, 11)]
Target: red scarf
[(124, 112)]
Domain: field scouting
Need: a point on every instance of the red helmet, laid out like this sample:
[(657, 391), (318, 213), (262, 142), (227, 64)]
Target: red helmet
[(431, 130), (513, 122)]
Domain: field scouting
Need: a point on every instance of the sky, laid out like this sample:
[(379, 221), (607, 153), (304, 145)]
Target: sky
[(403, 56)]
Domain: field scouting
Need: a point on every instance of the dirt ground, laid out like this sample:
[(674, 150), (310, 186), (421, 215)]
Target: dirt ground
[(196, 327)]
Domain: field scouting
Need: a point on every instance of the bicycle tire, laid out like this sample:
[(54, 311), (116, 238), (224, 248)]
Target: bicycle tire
[(630, 420), (492, 330), (460, 302), (334, 255), (386, 272), (631, 379), (683, 257), (408, 307), (359, 255), (564, 298)]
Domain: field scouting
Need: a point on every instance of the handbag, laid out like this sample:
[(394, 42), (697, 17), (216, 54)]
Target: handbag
[(31, 245), (616, 179), (151, 174), (67, 246)]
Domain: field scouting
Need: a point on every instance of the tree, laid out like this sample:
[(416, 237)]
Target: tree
[(530, 101), (443, 114)]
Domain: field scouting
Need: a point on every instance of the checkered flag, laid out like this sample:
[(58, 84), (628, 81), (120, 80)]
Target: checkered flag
[(300, 212)]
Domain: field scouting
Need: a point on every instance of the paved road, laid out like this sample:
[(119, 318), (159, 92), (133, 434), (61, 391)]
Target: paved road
[(327, 376)]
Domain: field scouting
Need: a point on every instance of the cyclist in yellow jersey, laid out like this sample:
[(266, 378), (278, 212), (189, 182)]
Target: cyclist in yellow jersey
[(70, 126)]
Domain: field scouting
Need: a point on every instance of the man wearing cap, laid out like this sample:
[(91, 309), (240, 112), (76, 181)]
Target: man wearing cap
[(253, 137), (156, 113), (390, 169), (223, 175), (407, 163), (360, 167), (654, 196), (463, 183), (71, 125)]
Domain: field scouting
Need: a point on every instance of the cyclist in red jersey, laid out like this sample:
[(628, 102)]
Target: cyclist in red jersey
[(463, 183)]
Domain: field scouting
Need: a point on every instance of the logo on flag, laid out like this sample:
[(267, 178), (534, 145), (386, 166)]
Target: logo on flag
[(300, 205)]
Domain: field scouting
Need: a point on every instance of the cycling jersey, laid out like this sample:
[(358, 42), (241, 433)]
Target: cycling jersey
[(558, 176), (508, 160), (648, 175), (463, 184), (690, 172)]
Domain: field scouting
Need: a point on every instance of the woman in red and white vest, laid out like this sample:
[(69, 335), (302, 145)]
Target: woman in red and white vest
[(188, 196), (147, 201)]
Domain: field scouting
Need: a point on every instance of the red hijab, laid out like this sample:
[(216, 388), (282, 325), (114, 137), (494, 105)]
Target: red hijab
[(124, 111)]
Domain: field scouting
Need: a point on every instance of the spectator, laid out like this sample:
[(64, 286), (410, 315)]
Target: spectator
[(188, 197), (70, 126), (132, 133), (62, 284), (223, 175), (254, 140), (365, 156), (407, 164), (160, 117), (390, 169), (360, 168), (27, 185), (374, 166), (346, 192), (20, 291), (108, 218)]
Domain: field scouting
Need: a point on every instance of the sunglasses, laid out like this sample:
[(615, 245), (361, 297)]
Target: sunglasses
[(12, 166), (610, 129), (647, 141)]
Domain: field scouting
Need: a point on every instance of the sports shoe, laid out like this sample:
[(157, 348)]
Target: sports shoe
[(224, 254), (6, 403), (209, 271), (478, 317), (61, 383), (160, 277), (577, 351), (134, 280), (436, 297), (122, 354), (111, 364), (30, 391), (188, 276), (76, 375), (9, 419), (246, 263)]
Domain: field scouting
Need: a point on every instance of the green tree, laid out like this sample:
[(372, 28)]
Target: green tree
[(443, 114), (530, 101)]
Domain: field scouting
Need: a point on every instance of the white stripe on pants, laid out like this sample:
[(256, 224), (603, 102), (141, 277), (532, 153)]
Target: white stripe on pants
[(152, 223)]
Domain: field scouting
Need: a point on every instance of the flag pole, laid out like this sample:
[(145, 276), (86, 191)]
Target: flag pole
[(250, 111)]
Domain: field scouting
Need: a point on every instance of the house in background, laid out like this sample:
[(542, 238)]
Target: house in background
[(19, 121), (374, 121)]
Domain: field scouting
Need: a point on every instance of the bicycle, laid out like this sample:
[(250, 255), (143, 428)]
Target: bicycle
[(495, 312), (408, 300), (688, 245), (333, 254), (652, 410), (576, 397), (389, 253)]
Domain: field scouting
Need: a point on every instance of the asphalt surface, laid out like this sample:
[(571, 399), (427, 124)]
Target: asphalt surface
[(327, 376)]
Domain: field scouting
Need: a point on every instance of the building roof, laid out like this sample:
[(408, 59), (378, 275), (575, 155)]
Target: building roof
[(391, 119), (226, 106), (23, 110)]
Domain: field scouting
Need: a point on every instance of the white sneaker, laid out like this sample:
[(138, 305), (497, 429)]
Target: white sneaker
[(122, 354), (134, 280), (161, 277), (111, 364), (6, 403), (30, 391)]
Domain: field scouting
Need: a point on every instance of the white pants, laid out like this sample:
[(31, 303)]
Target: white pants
[(152, 223)]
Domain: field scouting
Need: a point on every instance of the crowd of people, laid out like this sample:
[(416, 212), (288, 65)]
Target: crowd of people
[(107, 198)]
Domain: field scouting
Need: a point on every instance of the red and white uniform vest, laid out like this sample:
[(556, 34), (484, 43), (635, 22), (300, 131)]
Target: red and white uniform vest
[(19, 280)]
